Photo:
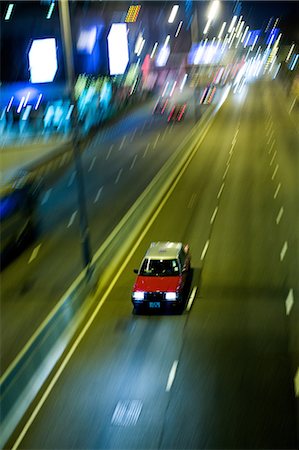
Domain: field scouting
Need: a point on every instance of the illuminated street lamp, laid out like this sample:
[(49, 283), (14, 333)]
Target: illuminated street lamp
[(173, 13), (212, 13)]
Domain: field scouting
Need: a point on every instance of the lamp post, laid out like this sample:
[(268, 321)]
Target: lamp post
[(68, 57)]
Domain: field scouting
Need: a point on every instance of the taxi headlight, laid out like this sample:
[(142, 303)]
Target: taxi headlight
[(138, 295), (170, 296)]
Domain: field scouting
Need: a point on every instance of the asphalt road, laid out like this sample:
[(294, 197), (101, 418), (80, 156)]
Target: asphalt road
[(220, 375), (118, 164)]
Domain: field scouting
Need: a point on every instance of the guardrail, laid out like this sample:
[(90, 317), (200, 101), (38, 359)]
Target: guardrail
[(25, 376)]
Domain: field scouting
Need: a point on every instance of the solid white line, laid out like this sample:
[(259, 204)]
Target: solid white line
[(279, 216), (71, 179), (205, 250), (34, 253), (122, 142), (145, 151), (46, 196), (192, 200), (133, 162), (220, 191), (109, 151), (296, 383), (98, 194), (272, 159), (92, 163), (275, 171), (289, 302), (171, 375), (283, 251), (118, 176), (229, 158), (191, 299), (214, 215), (225, 173), (277, 189), (72, 219)]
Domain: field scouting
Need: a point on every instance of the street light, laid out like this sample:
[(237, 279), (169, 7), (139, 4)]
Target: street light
[(65, 25), (173, 13)]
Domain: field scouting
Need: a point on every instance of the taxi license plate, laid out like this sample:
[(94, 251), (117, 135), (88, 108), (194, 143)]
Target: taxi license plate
[(154, 304)]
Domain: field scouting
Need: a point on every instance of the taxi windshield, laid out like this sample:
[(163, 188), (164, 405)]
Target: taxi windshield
[(159, 268)]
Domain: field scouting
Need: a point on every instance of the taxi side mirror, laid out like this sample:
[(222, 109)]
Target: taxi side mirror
[(135, 270)]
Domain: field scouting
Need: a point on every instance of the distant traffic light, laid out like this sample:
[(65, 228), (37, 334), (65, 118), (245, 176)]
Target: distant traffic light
[(132, 14)]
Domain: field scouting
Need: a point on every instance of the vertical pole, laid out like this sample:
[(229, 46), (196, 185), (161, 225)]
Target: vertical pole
[(68, 57)]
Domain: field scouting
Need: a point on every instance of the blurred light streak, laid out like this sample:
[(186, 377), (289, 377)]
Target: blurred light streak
[(9, 104), (221, 30), (163, 56), (21, 104), (154, 50), (254, 42), (27, 98), (206, 29), (290, 52), (26, 112), (166, 40), (178, 29), (69, 113), (141, 47), (173, 13), (232, 24), (244, 34), (213, 9), (51, 8), (183, 82), (118, 49), (38, 101), (295, 59), (239, 30), (9, 11), (277, 70), (138, 43), (247, 40), (172, 89), (165, 89)]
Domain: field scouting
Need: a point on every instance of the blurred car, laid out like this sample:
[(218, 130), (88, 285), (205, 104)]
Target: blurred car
[(162, 276), (177, 112), (160, 106)]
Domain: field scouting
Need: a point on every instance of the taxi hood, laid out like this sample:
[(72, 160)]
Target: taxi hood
[(154, 284)]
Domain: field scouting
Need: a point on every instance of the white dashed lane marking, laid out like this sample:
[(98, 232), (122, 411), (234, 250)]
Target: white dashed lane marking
[(192, 200), (275, 171), (98, 194), (191, 299), (225, 173), (171, 375), (205, 250), (145, 151), (220, 191), (72, 219), (271, 146), (289, 302), (109, 151), (133, 135), (46, 196), (156, 141), (279, 216), (133, 162), (277, 190), (214, 215), (272, 159), (118, 176), (34, 253), (71, 179), (283, 251), (92, 163), (122, 142)]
